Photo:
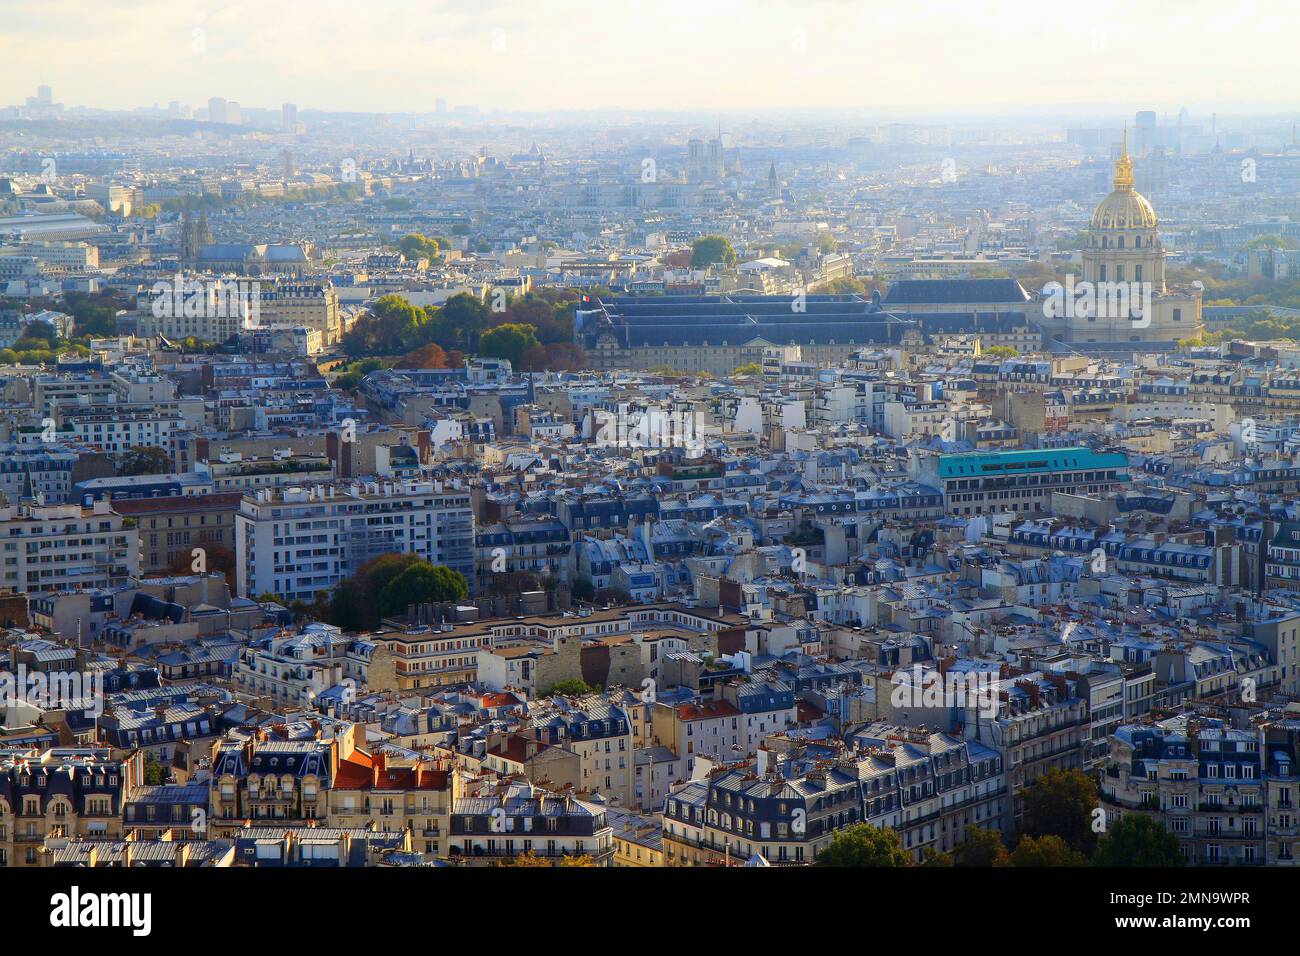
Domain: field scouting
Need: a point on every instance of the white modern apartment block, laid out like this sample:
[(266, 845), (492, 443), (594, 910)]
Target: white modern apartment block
[(65, 547), (294, 542), (119, 429)]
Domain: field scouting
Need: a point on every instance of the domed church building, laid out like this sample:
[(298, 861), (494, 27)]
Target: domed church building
[(1122, 303)]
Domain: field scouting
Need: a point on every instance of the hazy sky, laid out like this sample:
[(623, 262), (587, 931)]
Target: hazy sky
[(390, 55)]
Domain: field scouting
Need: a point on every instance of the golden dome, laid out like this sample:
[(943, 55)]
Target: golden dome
[(1125, 207)]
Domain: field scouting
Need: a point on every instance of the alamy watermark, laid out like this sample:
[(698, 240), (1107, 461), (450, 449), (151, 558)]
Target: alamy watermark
[(1100, 300), (53, 690), (648, 428), (922, 687), (207, 299)]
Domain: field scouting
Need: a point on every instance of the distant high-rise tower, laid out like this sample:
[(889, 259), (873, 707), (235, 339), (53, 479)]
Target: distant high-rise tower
[(773, 184), (45, 95), (1149, 160), (233, 114), (440, 105), (217, 110), (289, 117)]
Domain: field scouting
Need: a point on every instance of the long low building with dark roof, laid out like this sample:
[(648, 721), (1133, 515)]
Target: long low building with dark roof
[(718, 333)]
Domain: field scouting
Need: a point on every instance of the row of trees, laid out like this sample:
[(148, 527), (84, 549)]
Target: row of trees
[(395, 326), (1061, 828), (534, 331)]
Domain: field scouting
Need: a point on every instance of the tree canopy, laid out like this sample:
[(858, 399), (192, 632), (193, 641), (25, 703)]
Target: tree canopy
[(416, 245), (1061, 803), (1137, 839), (864, 845), (144, 460), (711, 250), (509, 341), (387, 585)]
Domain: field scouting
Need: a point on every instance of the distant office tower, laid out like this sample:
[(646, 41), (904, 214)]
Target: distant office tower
[(232, 113), (217, 110), (440, 106), (289, 117), (45, 95), (1149, 165)]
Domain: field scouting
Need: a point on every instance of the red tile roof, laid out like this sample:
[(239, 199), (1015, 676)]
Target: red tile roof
[(706, 710)]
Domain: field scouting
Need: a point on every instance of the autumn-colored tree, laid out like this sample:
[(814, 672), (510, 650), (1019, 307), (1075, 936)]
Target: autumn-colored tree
[(555, 357), (426, 356), (216, 557), (677, 259)]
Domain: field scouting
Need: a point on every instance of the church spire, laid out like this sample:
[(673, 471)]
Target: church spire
[(1124, 165)]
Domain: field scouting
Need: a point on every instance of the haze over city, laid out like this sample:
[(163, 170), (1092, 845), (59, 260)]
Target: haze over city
[(981, 57)]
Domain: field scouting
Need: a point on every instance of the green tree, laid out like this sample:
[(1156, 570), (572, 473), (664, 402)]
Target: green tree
[(751, 368), (1002, 351), (154, 772), (418, 246), (1045, 851), (982, 847), (1137, 839), (144, 460), (460, 321), (864, 845), (710, 250), (422, 583), (931, 857), (569, 687), (347, 608), (508, 341), (1060, 803)]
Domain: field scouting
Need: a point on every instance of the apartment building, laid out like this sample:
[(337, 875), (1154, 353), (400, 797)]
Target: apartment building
[(296, 542), (491, 828), (279, 782), (393, 791), (313, 305), (1042, 723), (600, 734), (296, 669), (61, 792), (438, 654), (1018, 480), (787, 807), (1206, 782), (41, 471), (119, 428), (171, 528), (729, 727), (64, 547)]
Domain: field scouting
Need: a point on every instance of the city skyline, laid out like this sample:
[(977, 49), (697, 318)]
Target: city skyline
[(971, 58)]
